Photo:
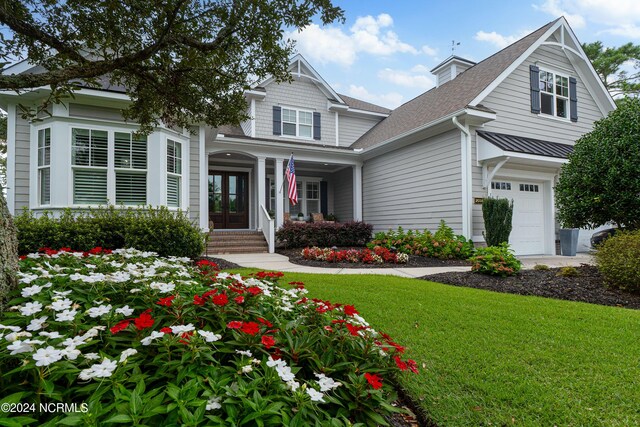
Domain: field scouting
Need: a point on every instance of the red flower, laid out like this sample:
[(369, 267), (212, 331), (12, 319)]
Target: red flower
[(265, 322), (23, 257), (96, 251), (239, 299), (400, 364), (234, 324), (144, 321), (413, 366), (250, 328), (353, 330), (374, 380), (398, 347), (120, 326), (65, 249), (185, 337), (221, 300), (198, 300), (328, 328), (268, 341), (166, 301), (209, 293), (206, 264), (350, 310), (166, 330), (254, 290)]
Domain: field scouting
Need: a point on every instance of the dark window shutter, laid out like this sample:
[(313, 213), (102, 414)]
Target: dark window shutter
[(316, 126), (573, 99), (277, 120), (534, 78), (324, 204)]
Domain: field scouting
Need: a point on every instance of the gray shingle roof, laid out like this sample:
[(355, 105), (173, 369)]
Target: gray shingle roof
[(450, 97), (358, 104), (519, 144)]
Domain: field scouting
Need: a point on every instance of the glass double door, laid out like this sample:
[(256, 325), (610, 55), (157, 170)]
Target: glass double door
[(229, 199)]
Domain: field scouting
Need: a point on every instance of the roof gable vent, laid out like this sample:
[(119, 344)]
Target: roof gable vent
[(450, 68)]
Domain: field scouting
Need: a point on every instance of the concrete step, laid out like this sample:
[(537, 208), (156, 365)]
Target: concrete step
[(230, 243), (236, 242), (237, 250)]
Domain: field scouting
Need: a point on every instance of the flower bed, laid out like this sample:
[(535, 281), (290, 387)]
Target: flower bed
[(136, 339), (377, 255)]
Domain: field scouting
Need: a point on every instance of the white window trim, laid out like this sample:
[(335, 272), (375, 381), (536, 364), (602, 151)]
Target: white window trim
[(297, 135), (555, 96), (131, 169), (302, 193), (180, 176), (111, 175), (41, 167)]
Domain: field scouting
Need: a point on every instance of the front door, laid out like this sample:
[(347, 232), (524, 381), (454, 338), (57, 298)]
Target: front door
[(229, 199)]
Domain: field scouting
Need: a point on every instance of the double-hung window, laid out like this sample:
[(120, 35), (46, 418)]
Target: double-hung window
[(44, 166), (131, 168), (297, 123), (89, 161), (313, 197), (174, 172), (554, 94)]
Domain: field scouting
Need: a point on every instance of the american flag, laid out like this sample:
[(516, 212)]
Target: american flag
[(291, 177)]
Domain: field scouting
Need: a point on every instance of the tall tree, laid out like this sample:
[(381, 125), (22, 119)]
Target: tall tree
[(608, 63), (180, 61)]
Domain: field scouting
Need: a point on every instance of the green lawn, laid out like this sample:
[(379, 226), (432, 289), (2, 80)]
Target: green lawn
[(501, 359)]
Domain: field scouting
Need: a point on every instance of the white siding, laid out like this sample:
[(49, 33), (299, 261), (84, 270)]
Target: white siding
[(351, 128), (415, 186), (95, 112), (297, 94), (21, 189), (194, 176), (342, 185), (444, 76)]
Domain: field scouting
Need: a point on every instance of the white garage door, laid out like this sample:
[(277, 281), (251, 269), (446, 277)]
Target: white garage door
[(527, 236)]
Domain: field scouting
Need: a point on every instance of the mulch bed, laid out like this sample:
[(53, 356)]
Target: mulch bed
[(588, 286), (414, 261), (223, 264)]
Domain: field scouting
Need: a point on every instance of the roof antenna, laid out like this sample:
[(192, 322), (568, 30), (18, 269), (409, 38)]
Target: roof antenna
[(453, 46)]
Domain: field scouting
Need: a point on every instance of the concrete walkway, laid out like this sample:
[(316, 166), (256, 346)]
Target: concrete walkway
[(281, 263)]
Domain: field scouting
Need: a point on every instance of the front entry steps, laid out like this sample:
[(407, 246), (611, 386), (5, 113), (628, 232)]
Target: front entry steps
[(236, 242)]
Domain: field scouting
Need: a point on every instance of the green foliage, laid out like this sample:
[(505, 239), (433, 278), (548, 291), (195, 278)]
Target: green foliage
[(496, 261), (541, 267), (618, 259), (568, 272), (182, 62), (608, 63), (497, 214), (443, 244), (156, 341), (150, 229), (600, 182)]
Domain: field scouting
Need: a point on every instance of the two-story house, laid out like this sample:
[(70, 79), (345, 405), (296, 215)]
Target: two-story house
[(501, 127)]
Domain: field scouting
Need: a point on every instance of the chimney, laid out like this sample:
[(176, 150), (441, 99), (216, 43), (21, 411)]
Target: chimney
[(450, 68)]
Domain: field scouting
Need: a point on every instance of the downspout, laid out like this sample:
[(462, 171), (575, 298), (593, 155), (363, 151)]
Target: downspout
[(465, 155)]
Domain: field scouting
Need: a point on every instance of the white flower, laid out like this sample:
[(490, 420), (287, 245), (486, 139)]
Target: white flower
[(163, 288), (99, 310), (223, 275), (31, 291), (125, 310), (66, 315), (247, 369), (256, 361), (91, 356), (73, 342), (154, 335), (285, 374), (327, 383), (62, 304), (51, 335), (245, 353), (62, 293), (46, 356), (36, 324), (315, 395), (134, 290), (209, 336), (293, 385), (11, 328), (181, 329), (99, 370), (70, 353), (27, 278), (11, 337), (271, 362), (213, 403), (19, 346), (125, 354), (31, 308)]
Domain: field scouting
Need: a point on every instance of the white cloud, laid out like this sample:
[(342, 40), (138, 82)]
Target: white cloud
[(367, 35), (429, 51), (389, 100), (407, 79), (494, 38), (420, 69), (557, 8)]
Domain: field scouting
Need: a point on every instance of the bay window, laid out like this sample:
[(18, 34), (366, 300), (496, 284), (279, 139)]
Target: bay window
[(89, 160), (130, 168)]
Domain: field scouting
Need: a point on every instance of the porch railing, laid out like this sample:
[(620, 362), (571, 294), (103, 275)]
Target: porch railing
[(268, 229)]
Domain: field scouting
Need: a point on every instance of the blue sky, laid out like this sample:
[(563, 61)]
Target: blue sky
[(385, 49)]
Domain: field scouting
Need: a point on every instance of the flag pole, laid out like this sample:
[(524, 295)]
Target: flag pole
[(282, 186)]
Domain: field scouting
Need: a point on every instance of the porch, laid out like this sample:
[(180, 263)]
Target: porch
[(246, 189)]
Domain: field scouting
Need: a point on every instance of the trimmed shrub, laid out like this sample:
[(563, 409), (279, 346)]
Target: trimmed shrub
[(301, 235), (496, 261), (541, 267), (150, 229), (568, 272), (443, 244), (618, 259), (497, 215)]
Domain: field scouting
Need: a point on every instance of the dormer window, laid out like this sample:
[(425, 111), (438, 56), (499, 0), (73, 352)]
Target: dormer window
[(554, 94)]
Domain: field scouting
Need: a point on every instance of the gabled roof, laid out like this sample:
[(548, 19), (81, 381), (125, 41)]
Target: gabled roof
[(452, 96), (358, 104), (519, 144)]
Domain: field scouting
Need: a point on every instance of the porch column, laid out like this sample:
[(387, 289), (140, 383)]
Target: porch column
[(357, 192), (280, 191), (261, 190), (204, 180)]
